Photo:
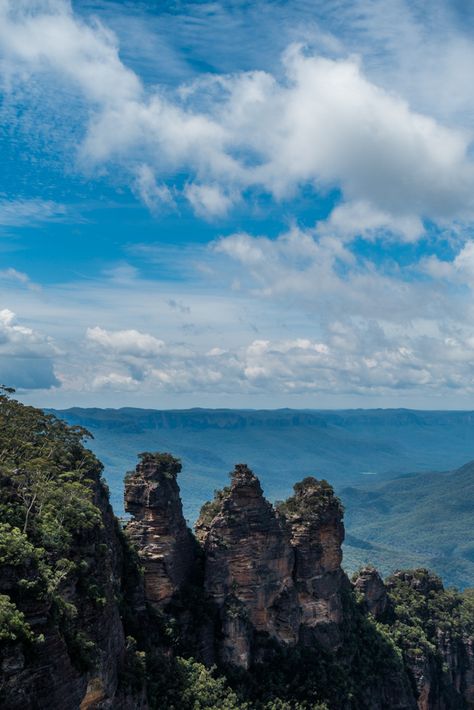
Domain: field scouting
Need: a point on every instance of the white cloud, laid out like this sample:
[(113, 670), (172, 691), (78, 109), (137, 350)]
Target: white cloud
[(362, 219), (26, 356), (464, 262), (126, 342), (208, 200), (13, 275), (25, 212), (459, 270), (366, 360), (153, 195), (323, 124), (344, 334), (114, 381)]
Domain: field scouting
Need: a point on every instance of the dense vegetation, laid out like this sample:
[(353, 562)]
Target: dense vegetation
[(419, 519), (55, 527), (47, 507)]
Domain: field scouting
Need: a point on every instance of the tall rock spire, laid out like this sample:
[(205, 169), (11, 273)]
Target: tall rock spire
[(248, 568), (314, 517), (158, 529)]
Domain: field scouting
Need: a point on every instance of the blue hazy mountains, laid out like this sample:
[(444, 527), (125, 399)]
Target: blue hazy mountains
[(392, 519), (422, 519)]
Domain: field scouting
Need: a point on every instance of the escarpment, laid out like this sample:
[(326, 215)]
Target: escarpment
[(62, 563), (254, 611), (273, 576)]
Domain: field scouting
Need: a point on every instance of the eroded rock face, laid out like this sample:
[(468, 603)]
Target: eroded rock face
[(277, 572), (53, 675), (159, 531), (314, 517), (248, 569), (370, 584)]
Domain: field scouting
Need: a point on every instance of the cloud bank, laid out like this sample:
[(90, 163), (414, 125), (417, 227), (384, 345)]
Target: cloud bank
[(323, 123), (375, 298)]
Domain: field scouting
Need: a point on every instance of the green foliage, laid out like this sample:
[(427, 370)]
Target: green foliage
[(423, 608), (15, 548), (46, 476), (82, 650), (416, 520), (49, 514), (13, 626), (210, 509), (311, 500), (201, 689), (166, 463), (423, 612), (133, 675)]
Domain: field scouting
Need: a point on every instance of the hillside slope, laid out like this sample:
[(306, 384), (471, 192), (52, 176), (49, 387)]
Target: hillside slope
[(338, 445), (414, 519)]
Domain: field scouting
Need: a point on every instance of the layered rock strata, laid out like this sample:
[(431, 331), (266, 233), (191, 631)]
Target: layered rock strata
[(314, 517), (273, 571), (370, 584), (158, 529), (249, 564)]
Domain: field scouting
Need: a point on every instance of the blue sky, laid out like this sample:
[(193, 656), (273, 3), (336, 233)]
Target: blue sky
[(237, 204)]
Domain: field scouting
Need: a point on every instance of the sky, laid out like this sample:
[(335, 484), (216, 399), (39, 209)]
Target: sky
[(237, 204)]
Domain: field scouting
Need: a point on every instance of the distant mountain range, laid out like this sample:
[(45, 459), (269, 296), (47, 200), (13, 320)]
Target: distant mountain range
[(392, 521), (420, 519)]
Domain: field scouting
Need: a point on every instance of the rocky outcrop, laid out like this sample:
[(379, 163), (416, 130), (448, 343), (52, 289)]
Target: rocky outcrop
[(370, 584), (271, 571), (314, 517), (249, 564), (437, 650), (260, 588), (80, 649), (158, 529)]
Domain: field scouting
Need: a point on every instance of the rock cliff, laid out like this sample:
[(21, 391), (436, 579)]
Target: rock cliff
[(72, 611), (88, 623), (271, 571), (158, 529), (314, 517), (369, 583), (249, 566)]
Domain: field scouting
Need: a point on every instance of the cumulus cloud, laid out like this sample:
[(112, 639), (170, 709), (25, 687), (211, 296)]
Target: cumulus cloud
[(208, 200), (459, 270), (362, 219), (126, 342), (26, 356), (329, 318), (348, 359), (323, 123)]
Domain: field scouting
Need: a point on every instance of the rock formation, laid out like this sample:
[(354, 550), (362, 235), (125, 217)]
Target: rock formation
[(314, 516), (158, 529), (273, 571), (77, 662), (370, 584), (443, 672), (259, 592), (249, 564)]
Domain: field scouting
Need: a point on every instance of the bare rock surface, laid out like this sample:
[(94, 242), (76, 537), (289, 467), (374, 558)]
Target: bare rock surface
[(158, 529)]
